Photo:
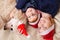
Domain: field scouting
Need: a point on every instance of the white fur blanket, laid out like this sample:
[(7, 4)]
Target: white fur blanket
[(6, 6)]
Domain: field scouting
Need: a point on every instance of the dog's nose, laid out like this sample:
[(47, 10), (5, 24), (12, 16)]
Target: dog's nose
[(11, 28)]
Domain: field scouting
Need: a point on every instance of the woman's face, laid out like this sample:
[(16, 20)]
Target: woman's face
[(31, 14), (44, 24)]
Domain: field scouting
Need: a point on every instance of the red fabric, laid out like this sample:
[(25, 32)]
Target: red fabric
[(22, 27), (35, 25), (49, 36)]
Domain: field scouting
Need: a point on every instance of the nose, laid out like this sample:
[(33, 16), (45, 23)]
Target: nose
[(11, 28)]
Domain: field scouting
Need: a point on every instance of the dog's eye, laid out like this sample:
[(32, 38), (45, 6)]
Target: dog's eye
[(11, 25)]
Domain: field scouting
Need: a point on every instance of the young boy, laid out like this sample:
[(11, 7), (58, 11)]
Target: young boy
[(46, 27), (33, 17)]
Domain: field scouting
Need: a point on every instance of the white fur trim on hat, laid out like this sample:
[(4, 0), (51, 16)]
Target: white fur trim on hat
[(20, 22), (36, 21), (47, 31), (28, 36)]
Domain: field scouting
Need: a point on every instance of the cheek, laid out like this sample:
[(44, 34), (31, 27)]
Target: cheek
[(47, 25), (39, 25), (34, 18)]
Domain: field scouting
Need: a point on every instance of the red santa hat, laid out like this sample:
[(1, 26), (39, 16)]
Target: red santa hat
[(48, 34), (21, 28)]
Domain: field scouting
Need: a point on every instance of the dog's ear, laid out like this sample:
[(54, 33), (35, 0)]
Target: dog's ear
[(1, 23)]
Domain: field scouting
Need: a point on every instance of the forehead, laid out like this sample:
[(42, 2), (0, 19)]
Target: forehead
[(31, 11)]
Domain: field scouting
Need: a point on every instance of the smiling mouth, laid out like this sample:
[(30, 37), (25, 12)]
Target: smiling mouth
[(34, 20)]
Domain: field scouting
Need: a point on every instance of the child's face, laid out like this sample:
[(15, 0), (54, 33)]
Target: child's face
[(44, 24), (31, 14)]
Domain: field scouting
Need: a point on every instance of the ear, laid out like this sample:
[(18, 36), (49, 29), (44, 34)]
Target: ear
[(38, 11), (52, 20)]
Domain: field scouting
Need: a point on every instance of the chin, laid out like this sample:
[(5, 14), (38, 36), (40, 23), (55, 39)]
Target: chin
[(33, 20)]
